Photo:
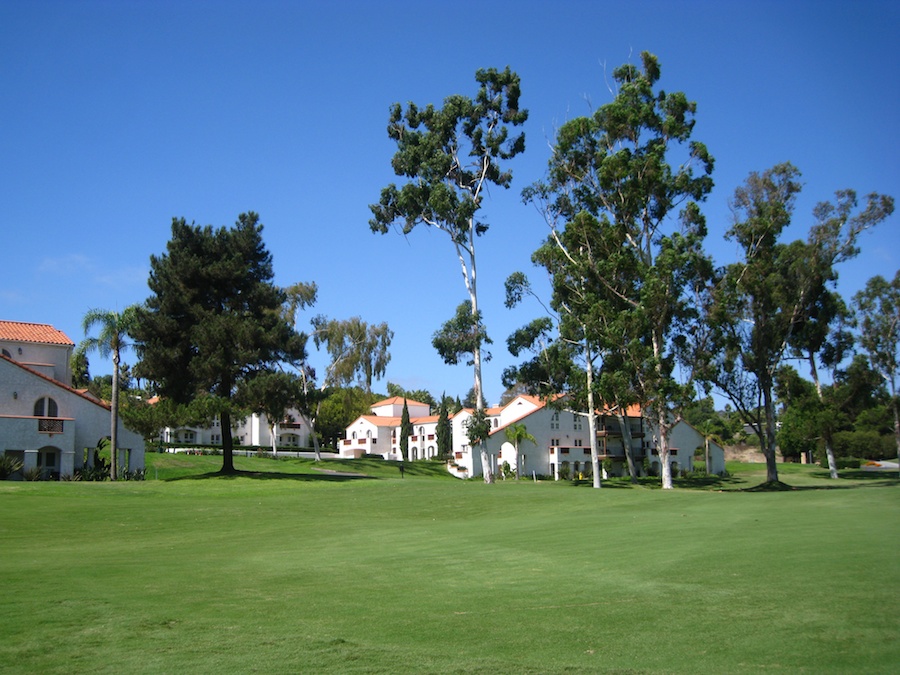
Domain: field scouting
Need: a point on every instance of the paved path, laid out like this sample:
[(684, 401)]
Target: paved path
[(880, 466)]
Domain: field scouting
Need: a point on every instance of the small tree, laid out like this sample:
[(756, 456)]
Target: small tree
[(405, 431), (112, 341), (515, 434), (478, 432), (444, 432)]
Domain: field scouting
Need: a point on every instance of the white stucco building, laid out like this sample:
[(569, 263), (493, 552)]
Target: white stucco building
[(45, 422), (378, 433), (562, 444), (254, 430), (561, 447)]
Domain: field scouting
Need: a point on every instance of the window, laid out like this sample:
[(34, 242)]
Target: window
[(576, 422), (554, 421), (578, 442), (46, 407), (554, 442)]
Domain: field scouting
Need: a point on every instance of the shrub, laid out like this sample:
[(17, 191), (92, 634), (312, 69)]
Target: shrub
[(34, 473), (9, 465), (866, 444)]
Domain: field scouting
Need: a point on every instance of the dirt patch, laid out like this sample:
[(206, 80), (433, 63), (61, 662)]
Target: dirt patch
[(744, 453)]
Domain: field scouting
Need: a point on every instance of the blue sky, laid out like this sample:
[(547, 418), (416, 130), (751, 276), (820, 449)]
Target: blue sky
[(118, 116)]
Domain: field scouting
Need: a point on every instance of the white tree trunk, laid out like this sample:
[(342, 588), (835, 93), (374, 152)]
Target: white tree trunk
[(663, 449), (486, 469), (592, 419)]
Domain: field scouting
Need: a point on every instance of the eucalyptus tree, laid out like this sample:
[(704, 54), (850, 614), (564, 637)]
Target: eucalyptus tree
[(564, 345), (627, 171), (878, 311), (111, 341), (777, 296), (824, 336), (448, 157), (359, 351), (215, 319)]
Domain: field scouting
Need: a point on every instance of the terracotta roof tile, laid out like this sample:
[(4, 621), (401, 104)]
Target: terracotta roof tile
[(18, 331), (397, 400)]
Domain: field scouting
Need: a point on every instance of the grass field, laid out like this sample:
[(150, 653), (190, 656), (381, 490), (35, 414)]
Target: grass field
[(291, 569)]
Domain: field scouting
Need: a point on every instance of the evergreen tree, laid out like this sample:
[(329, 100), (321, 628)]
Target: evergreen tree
[(405, 431), (214, 320), (444, 433)]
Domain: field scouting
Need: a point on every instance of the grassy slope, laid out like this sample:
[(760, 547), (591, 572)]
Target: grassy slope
[(313, 572)]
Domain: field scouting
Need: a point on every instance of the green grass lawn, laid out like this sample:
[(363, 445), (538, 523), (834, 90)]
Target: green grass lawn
[(289, 568)]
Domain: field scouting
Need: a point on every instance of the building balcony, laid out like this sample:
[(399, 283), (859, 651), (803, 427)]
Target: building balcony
[(35, 432)]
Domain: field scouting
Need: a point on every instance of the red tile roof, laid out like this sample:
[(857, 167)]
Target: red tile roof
[(18, 331), (397, 400)]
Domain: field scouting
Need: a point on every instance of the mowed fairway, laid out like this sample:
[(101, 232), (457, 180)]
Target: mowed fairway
[(297, 571)]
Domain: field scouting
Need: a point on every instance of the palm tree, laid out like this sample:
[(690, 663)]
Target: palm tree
[(111, 342), (515, 433)]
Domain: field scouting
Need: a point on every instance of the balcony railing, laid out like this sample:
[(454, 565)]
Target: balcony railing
[(50, 425)]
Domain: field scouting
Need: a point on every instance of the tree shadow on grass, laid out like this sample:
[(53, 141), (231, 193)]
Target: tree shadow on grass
[(842, 483), (324, 477), (689, 482)]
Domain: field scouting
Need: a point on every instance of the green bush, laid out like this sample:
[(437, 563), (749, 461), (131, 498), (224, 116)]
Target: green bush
[(34, 473), (9, 465), (843, 462), (867, 444)]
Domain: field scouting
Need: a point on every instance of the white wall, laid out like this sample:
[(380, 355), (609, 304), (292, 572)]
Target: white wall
[(84, 421)]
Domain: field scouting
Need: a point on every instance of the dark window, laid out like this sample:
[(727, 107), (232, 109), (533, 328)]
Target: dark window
[(45, 407)]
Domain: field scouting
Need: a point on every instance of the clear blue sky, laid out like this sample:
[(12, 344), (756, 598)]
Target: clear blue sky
[(116, 116)]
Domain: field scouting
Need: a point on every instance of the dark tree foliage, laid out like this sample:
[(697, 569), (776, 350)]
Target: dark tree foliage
[(444, 433), (778, 297), (462, 337), (214, 321), (405, 431)]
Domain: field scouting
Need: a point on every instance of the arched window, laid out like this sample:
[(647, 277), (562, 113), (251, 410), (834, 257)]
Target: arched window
[(46, 407)]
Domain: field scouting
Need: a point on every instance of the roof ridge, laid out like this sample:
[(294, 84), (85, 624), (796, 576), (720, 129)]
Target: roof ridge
[(86, 396)]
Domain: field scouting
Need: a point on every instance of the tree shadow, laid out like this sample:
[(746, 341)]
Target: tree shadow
[(839, 484), (329, 477)]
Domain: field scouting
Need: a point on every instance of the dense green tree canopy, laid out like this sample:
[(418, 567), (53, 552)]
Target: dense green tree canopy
[(214, 320), (622, 266)]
